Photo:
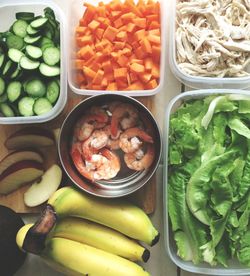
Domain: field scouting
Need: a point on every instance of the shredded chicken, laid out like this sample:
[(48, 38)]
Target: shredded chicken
[(213, 37)]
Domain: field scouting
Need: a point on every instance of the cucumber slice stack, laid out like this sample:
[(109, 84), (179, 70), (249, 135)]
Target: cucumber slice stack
[(30, 65)]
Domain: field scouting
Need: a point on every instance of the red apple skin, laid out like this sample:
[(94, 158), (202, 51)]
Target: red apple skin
[(30, 137), (19, 155), (17, 169)]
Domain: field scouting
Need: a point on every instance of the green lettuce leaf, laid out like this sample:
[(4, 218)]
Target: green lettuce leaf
[(197, 197), (211, 110), (222, 251), (183, 135), (189, 233), (244, 182), (244, 107), (243, 253), (217, 228), (238, 126)]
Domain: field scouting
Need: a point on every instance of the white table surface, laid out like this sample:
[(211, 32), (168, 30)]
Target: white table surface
[(159, 263)]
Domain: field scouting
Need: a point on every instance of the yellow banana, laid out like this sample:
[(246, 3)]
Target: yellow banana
[(99, 236), (21, 235), (117, 214), (74, 258)]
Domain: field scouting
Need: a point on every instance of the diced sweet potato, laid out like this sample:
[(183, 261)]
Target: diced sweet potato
[(110, 33), (119, 46)]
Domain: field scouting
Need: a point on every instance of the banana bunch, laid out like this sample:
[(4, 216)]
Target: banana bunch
[(79, 234)]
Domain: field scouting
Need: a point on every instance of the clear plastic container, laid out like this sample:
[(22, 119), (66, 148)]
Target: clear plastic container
[(8, 9), (234, 267), (196, 81), (76, 11)]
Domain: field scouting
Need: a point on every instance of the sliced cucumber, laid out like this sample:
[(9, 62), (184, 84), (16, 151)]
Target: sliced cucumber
[(31, 31), (9, 68), (45, 40), (49, 31), (35, 88), (16, 74), (19, 28), (2, 61), (31, 39), (14, 90), (14, 41), (42, 106), (2, 86), (51, 56), (6, 110), (47, 45), (30, 61), (39, 23), (15, 55), (53, 90), (49, 71), (25, 106), (3, 47), (26, 16), (49, 13), (33, 52), (28, 64), (3, 98)]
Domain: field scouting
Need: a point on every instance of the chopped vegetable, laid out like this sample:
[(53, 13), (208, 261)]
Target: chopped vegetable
[(119, 46), (209, 179), (30, 65)]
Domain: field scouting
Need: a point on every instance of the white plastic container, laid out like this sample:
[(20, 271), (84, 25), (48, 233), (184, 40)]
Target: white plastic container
[(76, 11), (234, 268), (196, 81), (8, 9)]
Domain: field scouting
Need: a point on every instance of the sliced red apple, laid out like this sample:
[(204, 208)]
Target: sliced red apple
[(18, 174), (17, 156), (41, 190), (30, 137)]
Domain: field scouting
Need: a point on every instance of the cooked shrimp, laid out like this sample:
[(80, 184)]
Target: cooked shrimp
[(97, 140), (113, 105), (107, 169), (79, 162), (131, 139), (87, 124), (121, 112), (105, 165), (113, 142), (98, 110), (139, 160), (99, 167)]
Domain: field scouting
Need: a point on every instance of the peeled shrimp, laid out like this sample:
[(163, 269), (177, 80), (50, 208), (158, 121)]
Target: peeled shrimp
[(105, 165), (87, 124), (113, 142), (130, 139), (109, 168), (123, 112), (97, 140), (139, 160)]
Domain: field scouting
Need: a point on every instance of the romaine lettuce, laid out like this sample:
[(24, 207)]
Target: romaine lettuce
[(209, 179)]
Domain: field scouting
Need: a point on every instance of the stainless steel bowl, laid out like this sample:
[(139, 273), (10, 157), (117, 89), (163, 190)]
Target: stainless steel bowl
[(127, 181)]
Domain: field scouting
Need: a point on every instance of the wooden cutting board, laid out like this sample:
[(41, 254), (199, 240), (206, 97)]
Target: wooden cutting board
[(144, 197)]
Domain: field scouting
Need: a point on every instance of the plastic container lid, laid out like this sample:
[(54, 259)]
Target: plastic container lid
[(76, 11), (8, 9), (196, 81), (234, 267)]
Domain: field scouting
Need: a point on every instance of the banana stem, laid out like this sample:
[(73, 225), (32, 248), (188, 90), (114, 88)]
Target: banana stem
[(34, 241)]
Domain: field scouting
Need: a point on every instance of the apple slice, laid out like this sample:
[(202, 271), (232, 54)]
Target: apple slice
[(18, 174), (30, 137), (41, 190), (17, 156)]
